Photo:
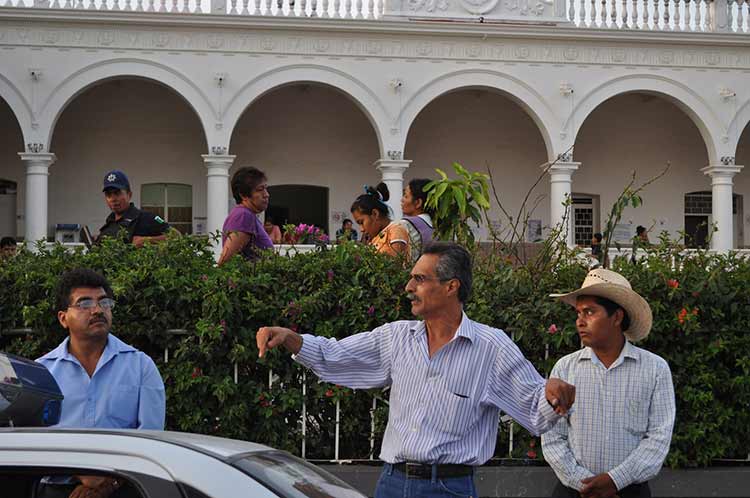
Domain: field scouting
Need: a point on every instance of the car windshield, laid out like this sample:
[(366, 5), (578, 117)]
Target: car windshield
[(292, 477)]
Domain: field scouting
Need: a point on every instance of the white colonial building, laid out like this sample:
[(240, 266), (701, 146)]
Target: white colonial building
[(327, 95)]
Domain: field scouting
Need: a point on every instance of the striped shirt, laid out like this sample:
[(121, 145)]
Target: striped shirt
[(442, 409), (623, 420)]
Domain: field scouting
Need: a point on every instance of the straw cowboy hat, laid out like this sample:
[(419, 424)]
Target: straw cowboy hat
[(613, 286)]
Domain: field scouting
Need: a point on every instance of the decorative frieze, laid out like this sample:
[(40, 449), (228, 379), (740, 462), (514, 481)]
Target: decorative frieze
[(370, 45)]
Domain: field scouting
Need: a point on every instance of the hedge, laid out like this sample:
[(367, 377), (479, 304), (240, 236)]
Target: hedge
[(172, 296)]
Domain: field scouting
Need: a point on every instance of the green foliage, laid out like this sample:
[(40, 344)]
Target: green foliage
[(171, 296), (455, 202)]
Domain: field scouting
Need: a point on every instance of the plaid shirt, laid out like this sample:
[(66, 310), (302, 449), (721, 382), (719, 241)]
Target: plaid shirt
[(623, 420)]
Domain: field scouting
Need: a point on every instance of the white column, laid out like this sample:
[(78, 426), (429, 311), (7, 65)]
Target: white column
[(35, 211), (561, 183), (721, 202), (392, 171), (217, 192)]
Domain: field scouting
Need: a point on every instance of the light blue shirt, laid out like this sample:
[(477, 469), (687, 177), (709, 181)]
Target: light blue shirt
[(443, 409), (623, 420), (125, 392)]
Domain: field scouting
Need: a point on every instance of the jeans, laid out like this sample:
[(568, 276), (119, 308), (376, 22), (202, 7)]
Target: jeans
[(394, 484)]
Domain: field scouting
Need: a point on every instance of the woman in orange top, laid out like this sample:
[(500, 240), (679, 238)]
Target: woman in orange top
[(371, 213)]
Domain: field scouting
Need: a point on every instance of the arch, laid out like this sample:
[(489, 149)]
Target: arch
[(18, 106), (84, 78), (362, 96), (739, 123), (685, 98), (516, 89)]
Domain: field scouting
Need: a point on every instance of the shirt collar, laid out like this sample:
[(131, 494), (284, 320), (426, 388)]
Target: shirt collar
[(628, 351), (465, 328), (114, 347), (129, 214)]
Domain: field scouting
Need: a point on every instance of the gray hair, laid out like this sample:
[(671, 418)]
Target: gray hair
[(454, 262)]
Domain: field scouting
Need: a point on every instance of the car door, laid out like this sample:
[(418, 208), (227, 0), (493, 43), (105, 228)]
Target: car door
[(23, 471)]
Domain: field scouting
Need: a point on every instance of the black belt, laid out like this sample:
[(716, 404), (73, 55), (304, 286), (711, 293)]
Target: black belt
[(424, 470)]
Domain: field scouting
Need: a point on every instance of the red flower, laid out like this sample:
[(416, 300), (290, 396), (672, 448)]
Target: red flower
[(672, 283), (532, 443), (371, 310), (265, 404), (197, 372), (552, 329), (531, 454), (329, 393), (696, 293)]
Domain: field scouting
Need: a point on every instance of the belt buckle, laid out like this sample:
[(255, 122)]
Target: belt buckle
[(412, 469)]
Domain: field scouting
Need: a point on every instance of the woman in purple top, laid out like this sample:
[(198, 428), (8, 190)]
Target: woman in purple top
[(243, 232)]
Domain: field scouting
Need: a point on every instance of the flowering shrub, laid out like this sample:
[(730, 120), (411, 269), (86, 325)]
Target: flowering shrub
[(304, 234), (171, 296)]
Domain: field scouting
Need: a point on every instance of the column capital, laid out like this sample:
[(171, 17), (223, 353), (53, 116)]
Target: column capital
[(218, 161), (38, 158), (722, 174), (562, 171), (392, 166), (563, 166)]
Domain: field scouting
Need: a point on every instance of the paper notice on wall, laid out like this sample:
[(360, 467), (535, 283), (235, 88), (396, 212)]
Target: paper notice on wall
[(534, 231), (623, 233)]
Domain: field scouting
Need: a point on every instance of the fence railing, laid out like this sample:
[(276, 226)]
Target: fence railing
[(656, 15), (333, 9), (662, 15)]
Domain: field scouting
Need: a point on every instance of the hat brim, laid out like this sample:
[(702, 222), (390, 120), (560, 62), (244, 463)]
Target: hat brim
[(115, 186), (637, 308)]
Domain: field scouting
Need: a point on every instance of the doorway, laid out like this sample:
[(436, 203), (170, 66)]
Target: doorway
[(295, 204), (8, 190)]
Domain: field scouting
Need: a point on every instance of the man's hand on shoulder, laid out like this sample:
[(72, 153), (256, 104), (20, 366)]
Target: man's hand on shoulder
[(560, 395), (271, 337), (599, 486)]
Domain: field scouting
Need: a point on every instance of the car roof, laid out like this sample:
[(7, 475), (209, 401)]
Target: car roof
[(214, 446)]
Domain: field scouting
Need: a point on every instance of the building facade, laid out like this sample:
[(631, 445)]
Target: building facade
[(326, 96)]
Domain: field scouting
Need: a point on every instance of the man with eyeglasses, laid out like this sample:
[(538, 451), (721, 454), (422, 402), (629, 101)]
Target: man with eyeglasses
[(106, 383), (449, 376)]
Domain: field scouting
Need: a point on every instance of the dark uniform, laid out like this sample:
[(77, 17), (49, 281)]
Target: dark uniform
[(133, 222)]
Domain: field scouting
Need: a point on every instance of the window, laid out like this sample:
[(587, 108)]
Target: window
[(585, 218), (172, 201), (287, 475)]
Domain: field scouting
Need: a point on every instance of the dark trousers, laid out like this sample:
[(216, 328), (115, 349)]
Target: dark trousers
[(633, 491)]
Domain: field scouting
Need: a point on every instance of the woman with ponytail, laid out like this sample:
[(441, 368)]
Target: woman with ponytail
[(372, 214)]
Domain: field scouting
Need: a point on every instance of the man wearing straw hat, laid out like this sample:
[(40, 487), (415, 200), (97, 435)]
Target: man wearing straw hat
[(618, 436)]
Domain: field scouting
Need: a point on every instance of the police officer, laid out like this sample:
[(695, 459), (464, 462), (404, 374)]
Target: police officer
[(139, 226)]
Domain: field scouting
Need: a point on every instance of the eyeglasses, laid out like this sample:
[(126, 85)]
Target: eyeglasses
[(89, 304), (420, 279)]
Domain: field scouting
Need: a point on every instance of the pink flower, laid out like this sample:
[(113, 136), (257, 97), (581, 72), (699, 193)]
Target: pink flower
[(531, 454), (371, 310), (310, 229), (552, 329), (329, 275), (204, 277)]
